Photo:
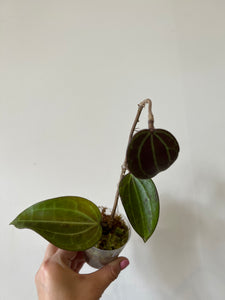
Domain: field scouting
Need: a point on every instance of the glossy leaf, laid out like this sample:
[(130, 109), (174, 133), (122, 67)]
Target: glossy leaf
[(150, 152), (70, 223), (141, 203)]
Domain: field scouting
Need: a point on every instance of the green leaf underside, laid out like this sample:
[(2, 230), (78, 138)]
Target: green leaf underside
[(71, 223), (141, 203)]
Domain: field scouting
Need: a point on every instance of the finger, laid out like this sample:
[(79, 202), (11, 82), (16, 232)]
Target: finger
[(65, 256), (77, 262), (103, 277), (51, 249)]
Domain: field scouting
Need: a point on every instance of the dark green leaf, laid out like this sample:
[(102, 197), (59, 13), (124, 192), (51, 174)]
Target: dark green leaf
[(151, 152), (141, 203), (70, 223)]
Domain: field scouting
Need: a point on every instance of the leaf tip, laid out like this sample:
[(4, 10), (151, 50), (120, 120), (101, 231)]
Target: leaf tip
[(13, 222), (145, 239)]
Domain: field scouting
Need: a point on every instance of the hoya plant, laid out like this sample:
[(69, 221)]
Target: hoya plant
[(75, 223)]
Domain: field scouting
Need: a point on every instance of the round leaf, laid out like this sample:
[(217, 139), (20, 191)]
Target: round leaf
[(151, 152)]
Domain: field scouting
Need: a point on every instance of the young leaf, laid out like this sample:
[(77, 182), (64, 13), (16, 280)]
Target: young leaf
[(141, 203), (70, 223)]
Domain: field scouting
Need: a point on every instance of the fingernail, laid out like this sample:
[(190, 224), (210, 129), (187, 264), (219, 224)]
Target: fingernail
[(124, 263)]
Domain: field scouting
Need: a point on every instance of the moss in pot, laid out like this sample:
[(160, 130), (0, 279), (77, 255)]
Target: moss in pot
[(115, 235), (115, 232), (77, 224)]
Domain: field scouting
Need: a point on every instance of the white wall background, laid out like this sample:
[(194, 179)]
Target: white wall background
[(72, 74)]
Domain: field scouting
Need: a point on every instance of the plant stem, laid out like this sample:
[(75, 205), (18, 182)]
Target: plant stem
[(150, 115), (141, 105)]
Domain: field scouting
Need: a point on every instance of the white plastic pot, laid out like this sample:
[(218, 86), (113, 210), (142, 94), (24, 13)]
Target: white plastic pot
[(97, 258)]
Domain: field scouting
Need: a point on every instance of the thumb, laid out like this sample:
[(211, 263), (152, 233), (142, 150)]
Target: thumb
[(103, 277)]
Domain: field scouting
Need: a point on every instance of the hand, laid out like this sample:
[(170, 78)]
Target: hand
[(58, 277)]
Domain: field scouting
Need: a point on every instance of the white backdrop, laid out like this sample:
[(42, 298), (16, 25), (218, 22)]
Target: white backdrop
[(72, 74)]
